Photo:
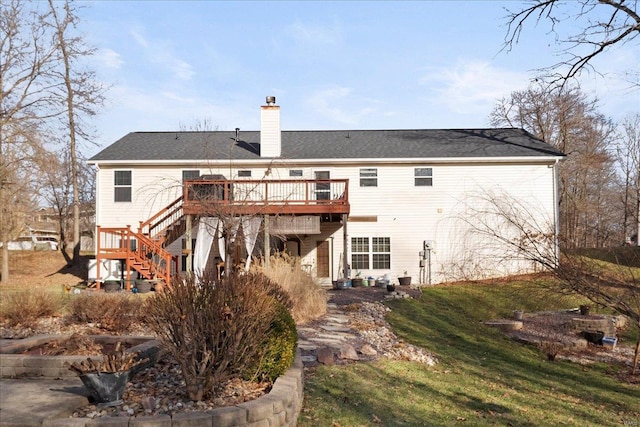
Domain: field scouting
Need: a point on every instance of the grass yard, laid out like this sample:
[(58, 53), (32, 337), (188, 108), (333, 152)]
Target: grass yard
[(482, 377)]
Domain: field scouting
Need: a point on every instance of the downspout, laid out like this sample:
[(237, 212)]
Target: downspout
[(556, 209)]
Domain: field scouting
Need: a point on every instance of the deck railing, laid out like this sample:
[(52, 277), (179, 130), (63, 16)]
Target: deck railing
[(139, 252), (266, 196), (156, 227)]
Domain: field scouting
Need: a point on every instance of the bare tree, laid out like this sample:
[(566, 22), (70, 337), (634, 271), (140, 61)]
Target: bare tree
[(569, 121), (199, 125), (603, 23), (80, 94), (27, 58), (628, 154), (57, 192)]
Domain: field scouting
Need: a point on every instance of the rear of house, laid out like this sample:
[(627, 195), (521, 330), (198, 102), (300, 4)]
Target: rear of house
[(367, 202)]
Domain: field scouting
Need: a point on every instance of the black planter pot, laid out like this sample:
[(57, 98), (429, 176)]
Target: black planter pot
[(593, 336), (391, 288), (106, 388), (356, 283), (404, 281), (143, 286), (111, 286)]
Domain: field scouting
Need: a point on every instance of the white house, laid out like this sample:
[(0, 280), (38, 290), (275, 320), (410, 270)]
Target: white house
[(397, 202)]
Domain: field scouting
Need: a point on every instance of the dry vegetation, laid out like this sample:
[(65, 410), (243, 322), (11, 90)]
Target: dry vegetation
[(36, 297), (309, 300), (42, 269)]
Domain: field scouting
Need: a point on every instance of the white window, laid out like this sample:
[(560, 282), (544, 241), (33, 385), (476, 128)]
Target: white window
[(295, 173), (122, 186), (371, 252), (368, 177), (423, 177)]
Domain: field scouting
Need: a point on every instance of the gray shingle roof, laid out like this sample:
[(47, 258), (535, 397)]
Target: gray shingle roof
[(329, 144)]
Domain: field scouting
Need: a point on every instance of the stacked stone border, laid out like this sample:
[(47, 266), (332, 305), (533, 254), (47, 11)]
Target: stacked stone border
[(279, 408), (16, 365)]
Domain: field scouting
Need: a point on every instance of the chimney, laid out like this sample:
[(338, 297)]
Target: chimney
[(270, 139)]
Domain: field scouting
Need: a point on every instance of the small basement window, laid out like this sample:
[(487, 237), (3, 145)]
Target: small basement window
[(244, 174)]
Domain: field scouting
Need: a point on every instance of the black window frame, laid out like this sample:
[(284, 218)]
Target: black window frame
[(423, 180), (122, 186), (190, 174)]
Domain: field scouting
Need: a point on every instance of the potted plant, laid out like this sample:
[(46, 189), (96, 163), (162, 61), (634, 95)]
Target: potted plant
[(357, 281), (107, 378), (404, 280)]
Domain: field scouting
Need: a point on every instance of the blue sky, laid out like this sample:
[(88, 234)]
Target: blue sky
[(331, 65)]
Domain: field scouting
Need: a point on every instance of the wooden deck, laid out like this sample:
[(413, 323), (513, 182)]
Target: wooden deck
[(266, 197), (144, 250)]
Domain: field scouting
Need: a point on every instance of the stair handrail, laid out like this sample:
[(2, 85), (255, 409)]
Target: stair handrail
[(145, 251), (158, 223)]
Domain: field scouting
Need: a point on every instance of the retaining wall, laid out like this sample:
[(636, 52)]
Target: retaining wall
[(279, 408), (14, 365)]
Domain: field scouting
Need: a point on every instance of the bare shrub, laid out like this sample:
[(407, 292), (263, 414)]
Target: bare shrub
[(214, 329), (112, 312), (26, 306), (550, 349), (309, 299)]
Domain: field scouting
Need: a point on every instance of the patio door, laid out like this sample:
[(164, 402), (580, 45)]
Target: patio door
[(323, 189)]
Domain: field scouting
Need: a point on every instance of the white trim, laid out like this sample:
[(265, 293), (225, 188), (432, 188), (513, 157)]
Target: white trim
[(284, 161)]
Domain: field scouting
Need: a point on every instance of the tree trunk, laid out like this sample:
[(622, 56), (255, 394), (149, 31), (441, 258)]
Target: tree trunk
[(636, 357)]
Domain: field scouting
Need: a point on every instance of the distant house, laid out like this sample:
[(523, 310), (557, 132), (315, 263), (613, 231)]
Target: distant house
[(346, 201)]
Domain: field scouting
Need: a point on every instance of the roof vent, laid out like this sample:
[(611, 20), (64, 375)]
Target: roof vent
[(271, 100)]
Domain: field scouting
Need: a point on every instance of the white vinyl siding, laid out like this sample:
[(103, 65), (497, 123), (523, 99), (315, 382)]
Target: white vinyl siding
[(395, 210)]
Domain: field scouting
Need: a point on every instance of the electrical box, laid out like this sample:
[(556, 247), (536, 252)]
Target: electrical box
[(422, 263)]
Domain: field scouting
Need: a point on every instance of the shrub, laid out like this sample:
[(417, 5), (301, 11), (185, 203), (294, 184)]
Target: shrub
[(278, 350), (26, 306), (113, 312), (309, 299), (214, 329)]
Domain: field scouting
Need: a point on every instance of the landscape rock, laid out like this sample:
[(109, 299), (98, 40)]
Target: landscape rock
[(367, 350), (348, 352), (325, 356)]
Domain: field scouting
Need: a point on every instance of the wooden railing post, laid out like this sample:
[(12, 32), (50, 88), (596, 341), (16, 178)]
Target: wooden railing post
[(98, 257)]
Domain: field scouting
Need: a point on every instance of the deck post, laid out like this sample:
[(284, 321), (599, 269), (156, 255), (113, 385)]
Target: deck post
[(98, 258), (267, 241), (345, 245), (187, 236)]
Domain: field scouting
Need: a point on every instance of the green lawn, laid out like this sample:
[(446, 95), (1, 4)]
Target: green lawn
[(482, 378)]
